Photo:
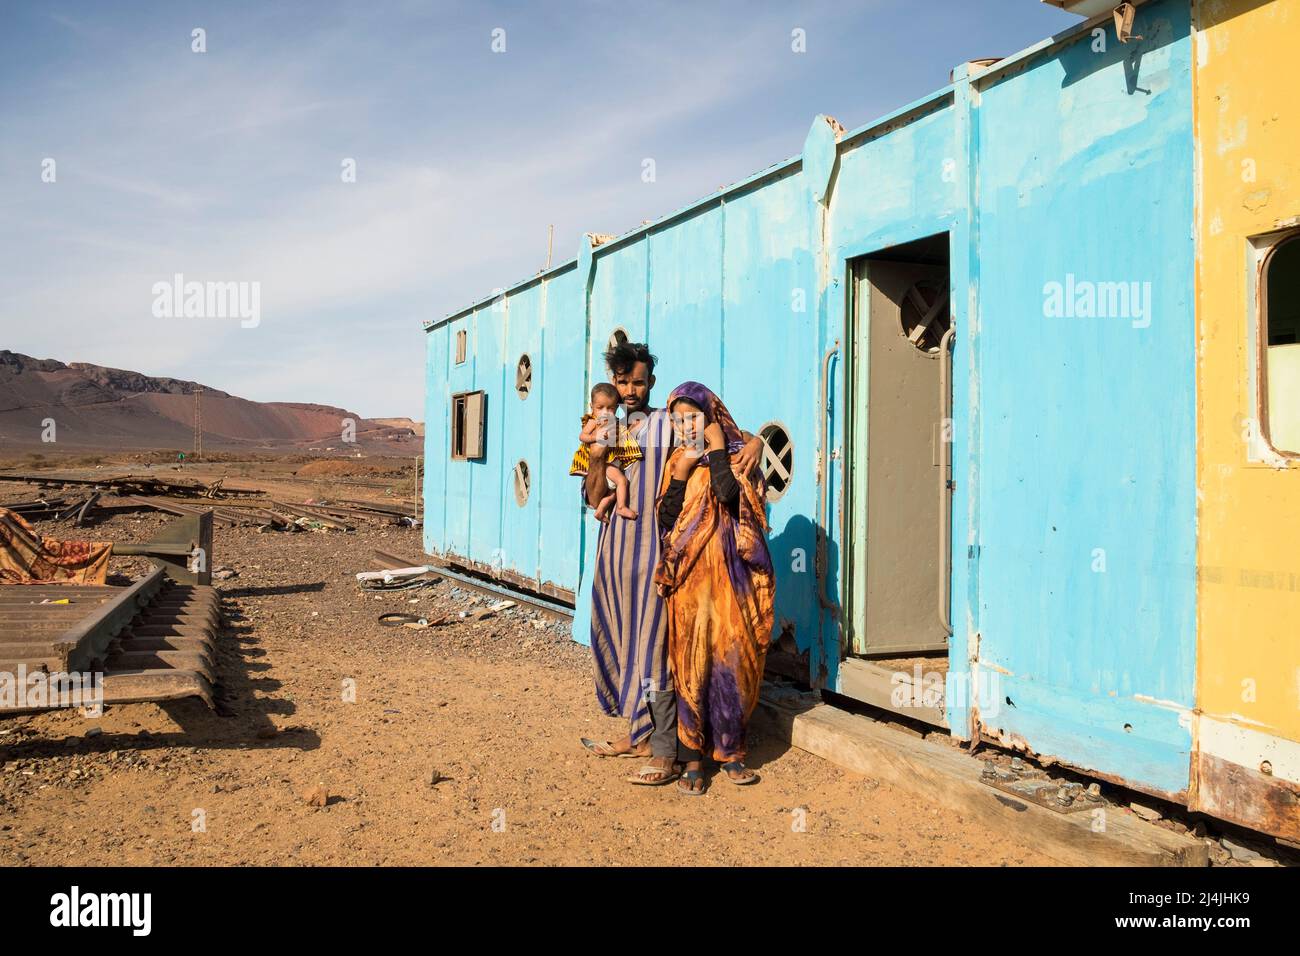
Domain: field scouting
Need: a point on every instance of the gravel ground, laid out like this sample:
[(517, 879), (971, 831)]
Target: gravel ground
[(448, 745)]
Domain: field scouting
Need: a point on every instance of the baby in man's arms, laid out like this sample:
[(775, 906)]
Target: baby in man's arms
[(601, 424)]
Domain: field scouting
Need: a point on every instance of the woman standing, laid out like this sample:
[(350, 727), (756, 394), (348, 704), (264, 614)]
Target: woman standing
[(716, 574)]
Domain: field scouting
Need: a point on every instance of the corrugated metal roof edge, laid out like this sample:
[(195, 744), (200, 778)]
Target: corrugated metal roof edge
[(850, 138)]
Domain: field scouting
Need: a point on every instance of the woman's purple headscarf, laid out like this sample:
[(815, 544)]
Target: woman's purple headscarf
[(714, 411)]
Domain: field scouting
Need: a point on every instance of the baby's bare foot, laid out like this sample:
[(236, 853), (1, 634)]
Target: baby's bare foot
[(625, 512)]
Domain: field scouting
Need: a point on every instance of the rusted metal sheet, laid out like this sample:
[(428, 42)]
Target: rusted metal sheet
[(1242, 795)]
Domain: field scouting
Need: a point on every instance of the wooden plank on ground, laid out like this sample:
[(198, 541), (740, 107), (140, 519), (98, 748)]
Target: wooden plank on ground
[(945, 775)]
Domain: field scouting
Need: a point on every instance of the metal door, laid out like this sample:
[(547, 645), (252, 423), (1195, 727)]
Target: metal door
[(902, 319)]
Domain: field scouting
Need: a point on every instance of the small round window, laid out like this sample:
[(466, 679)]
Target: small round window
[(924, 314), (777, 463), (618, 337), (521, 483), (524, 376)]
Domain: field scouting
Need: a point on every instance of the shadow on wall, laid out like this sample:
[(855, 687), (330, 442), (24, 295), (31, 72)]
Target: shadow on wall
[(1084, 58), (795, 643)]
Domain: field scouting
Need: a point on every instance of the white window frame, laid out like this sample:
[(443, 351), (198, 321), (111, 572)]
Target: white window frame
[(1259, 446)]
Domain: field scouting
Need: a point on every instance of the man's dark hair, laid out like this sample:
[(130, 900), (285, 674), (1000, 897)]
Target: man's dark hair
[(620, 358), (607, 390)]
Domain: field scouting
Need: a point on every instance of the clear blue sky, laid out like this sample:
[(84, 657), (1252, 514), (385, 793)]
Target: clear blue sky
[(226, 165)]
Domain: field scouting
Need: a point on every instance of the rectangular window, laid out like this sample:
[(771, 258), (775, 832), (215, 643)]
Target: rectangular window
[(468, 420), (460, 347), (1279, 333)]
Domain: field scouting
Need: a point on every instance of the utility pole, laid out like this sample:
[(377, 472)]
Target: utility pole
[(419, 493), (198, 424)]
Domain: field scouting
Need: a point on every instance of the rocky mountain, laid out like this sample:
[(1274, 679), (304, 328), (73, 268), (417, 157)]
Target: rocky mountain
[(92, 406)]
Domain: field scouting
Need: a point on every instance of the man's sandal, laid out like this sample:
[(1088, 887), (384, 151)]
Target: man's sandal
[(686, 783), (603, 748), (645, 777), (736, 765)]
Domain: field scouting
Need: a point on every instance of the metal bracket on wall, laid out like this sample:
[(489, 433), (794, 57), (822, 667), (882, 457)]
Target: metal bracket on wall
[(1124, 15)]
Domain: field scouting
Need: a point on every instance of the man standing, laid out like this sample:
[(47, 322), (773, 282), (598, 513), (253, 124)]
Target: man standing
[(629, 626)]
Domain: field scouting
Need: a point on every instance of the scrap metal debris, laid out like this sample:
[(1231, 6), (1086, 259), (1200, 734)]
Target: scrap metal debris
[(232, 507), (130, 485), (398, 619), (1027, 782), (398, 579), (483, 614)]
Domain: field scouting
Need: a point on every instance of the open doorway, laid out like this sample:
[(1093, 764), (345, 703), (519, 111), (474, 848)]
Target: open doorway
[(900, 466)]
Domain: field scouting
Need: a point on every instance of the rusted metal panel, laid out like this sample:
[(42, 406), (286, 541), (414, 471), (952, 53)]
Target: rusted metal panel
[(1246, 796)]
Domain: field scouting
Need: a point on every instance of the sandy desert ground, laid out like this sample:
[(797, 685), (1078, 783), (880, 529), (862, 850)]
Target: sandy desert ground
[(491, 710)]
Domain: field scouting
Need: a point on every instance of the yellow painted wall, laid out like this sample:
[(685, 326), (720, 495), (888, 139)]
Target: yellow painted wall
[(1248, 145)]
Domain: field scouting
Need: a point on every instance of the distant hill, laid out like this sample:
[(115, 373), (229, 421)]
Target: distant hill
[(97, 407)]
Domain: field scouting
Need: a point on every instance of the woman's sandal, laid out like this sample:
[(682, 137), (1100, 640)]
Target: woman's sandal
[(736, 765), (686, 783), (644, 776), (603, 748)]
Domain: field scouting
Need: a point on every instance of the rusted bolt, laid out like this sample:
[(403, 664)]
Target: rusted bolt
[(990, 770), (1063, 797), (1094, 791)]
